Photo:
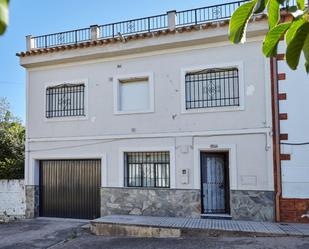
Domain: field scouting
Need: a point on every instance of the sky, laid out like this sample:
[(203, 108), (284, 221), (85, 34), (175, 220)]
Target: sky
[(39, 17)]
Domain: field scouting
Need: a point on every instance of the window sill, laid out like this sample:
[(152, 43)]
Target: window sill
[(147, 188), (133, 112), (66, 119), (213, 109)]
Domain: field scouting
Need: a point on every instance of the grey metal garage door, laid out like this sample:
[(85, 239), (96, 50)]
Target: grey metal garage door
[(70, 188)]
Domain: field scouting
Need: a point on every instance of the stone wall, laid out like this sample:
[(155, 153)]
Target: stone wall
[(12, 199), (151, 202), (245, 205), (32, 201), (252, 205)]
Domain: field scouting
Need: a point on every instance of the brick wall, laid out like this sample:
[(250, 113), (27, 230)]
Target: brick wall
[(291, 210)]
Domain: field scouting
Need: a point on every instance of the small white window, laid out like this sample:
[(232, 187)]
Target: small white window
[(134, 95)]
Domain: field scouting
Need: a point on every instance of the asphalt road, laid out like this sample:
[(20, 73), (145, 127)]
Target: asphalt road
[(95, 242), (63, 233), (37, 233)]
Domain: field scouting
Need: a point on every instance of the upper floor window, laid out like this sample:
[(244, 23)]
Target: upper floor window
[(134, 94), (66, 100), (217, 87), (147, 169)]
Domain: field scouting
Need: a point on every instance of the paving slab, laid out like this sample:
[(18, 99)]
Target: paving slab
[(207, 225), (290, 229), (303, 228), (273, 228)]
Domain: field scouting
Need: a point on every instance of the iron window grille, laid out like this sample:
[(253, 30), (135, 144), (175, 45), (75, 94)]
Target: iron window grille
[(217, 87), (147, 169), (66, 100)]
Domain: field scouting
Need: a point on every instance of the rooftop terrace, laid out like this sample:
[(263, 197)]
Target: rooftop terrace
[(168, 21)]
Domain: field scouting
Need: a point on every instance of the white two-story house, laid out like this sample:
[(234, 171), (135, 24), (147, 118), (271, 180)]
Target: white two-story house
[(157, 116)]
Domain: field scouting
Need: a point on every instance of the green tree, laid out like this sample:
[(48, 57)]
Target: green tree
[(12, 137), (4, 15), (295, 31)]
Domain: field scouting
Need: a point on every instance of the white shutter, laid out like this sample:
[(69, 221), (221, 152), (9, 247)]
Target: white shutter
[(134, 96)]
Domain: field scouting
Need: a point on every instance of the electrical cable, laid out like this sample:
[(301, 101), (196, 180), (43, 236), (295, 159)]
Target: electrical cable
[(296, 144), (75, 146)]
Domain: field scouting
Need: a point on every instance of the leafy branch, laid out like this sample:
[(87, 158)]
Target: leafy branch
[(4, 15), (12, 137), (295, 30)]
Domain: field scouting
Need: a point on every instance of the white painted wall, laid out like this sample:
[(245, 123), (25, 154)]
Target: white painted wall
[(248, 157), (295, 180), (167, 72), (12, 198), (244, 132)]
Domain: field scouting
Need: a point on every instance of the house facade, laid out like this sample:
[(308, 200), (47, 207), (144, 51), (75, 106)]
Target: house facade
[(170, 120)]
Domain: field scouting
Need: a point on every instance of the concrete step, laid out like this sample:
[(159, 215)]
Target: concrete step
[(169, 227), (122, 230)]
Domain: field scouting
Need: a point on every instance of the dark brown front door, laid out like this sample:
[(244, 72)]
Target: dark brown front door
[(70, 188), (215, 183)]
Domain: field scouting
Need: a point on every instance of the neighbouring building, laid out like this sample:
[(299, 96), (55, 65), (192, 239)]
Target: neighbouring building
[(292, 140), (155, 116)]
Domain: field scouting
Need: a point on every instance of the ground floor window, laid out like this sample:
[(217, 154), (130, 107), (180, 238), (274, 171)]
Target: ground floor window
[(147, 169)]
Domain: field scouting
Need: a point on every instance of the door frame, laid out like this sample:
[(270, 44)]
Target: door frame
[(226, 178), (207, 147), (34, 162), (32, 172)]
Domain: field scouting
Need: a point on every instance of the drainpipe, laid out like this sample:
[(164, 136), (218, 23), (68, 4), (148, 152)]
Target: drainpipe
[(276, 132)]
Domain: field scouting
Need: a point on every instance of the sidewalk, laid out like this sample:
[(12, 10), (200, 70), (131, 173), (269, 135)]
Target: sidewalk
[(147, 226)]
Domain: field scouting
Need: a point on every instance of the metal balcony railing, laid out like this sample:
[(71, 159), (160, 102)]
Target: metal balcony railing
[(207, 14), (135, 26), (170, 20), (62, 38)]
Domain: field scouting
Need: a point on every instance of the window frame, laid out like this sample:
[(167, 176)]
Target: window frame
[(142, 165), (122, 165), (67, 118), (130, 77), (240, 107)]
